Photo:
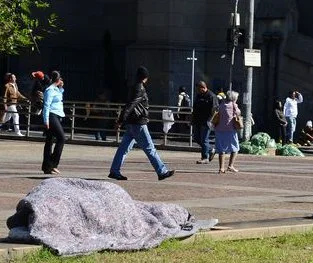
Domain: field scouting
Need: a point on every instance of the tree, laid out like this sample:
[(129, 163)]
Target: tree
[(20, 25)]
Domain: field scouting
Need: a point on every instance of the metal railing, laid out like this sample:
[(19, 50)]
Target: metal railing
[(101, 118)]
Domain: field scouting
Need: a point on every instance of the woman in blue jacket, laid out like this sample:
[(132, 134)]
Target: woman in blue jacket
[(52, 115)]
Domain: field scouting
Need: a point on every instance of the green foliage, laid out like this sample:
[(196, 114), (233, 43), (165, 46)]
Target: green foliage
[(19, 27), (287, 249)]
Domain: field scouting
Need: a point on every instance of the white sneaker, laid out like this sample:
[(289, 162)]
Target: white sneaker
[(20, 134)]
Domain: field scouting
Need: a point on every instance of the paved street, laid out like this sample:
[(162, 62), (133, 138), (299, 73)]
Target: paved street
[(268, 190)]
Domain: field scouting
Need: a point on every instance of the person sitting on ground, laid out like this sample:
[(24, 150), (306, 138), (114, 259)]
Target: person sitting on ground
[(306, 135)]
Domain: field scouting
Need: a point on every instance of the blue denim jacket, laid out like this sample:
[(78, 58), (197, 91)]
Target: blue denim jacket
[(52, 102)]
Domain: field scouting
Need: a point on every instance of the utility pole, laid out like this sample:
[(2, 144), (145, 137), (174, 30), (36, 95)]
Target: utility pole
[(247, 132), (235, 34)]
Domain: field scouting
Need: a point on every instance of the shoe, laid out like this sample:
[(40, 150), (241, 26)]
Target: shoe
[(221, 171), (211, 155), (117, 176), (232, 169), (55, 170), (19, 134), (50, 172), (166, 175), (203, 161)]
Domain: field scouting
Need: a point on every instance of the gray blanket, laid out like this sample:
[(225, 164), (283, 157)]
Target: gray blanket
[(76, 216)]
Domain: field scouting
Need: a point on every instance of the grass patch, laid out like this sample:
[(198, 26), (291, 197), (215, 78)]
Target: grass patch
[(286, 249)]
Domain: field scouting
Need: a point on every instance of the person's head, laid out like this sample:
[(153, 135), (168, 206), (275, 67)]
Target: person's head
[(55, 77), (221, 96), (38, 75), (182, 89), (232, 96), (9, 78), (142, 74), (202, 87), (292, 94), (278, 104), (46, 80), (309, 124)]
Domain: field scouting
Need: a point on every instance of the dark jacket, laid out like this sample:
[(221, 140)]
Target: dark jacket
[(279, 118), (203, 107), (136, 110)]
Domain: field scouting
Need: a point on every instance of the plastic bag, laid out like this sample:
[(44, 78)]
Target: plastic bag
[(289, 150), (271, 144), (260, 139)]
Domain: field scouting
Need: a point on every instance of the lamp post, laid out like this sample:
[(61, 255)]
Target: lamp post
[(235, 34), (193, 59)]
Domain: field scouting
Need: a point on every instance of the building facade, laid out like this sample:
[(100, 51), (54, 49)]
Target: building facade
[(104, 41)]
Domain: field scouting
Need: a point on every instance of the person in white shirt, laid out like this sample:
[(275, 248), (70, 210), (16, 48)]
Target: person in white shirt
[(184, 102), (291, 113)]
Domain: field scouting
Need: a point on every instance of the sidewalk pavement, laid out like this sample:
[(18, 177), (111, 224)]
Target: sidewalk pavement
[(269, 192)]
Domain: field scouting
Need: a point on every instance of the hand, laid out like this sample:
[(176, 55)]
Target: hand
[(60, 83)]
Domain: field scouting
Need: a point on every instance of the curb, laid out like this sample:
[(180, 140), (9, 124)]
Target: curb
[(216, 233), (12, 251), (220, 233)]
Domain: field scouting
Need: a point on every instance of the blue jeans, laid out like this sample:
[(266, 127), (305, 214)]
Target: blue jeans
[(291, 128), (201, 136), (140, 134)]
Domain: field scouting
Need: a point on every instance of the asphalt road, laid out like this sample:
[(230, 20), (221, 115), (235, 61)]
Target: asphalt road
[(268, 190)]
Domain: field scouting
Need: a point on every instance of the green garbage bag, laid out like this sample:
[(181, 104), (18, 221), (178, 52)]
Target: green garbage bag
[(262, 152), (248, 148), (289, 150), (256, 149), (271, 144), (245, 147), (260, 139)]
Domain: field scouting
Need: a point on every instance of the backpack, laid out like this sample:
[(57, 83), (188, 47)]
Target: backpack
[(186, 101)]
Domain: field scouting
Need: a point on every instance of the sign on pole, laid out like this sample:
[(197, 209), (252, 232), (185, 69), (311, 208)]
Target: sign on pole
[(252, 57)]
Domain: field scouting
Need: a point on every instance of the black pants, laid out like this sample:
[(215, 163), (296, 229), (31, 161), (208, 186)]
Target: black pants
[(280, 134), (51, 158)]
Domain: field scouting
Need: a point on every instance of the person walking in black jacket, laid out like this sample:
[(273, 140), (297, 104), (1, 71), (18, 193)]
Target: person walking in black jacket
[(205, 104), (135, 116)]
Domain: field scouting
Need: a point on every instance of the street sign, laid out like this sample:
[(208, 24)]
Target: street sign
[(252, 57)]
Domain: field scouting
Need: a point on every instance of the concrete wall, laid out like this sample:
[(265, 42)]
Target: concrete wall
[(160, 35)]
